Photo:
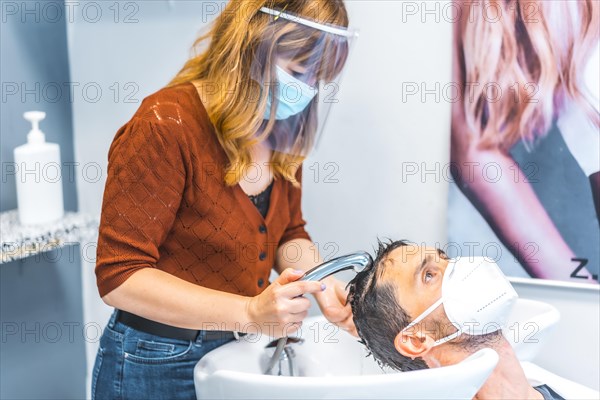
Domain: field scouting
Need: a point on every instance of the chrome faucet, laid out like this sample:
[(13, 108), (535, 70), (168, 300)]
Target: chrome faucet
[(356, 261)]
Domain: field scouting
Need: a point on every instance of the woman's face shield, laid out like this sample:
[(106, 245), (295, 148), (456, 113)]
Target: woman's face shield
[(298, 65)]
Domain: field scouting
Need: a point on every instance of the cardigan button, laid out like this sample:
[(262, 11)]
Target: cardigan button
[(261, 282), (262, 256), (262, 229)]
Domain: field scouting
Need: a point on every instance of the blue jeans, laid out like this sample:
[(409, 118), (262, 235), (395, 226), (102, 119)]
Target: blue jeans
[(131, 364)]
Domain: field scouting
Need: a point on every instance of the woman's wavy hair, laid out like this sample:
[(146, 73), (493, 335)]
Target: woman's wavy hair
[(537, 65), (238, 55)]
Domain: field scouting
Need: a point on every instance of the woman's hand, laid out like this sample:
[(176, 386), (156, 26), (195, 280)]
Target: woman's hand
[(332, 302), (279, 310)]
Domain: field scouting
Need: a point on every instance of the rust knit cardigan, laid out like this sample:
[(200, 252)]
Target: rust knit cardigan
[(166, 205)]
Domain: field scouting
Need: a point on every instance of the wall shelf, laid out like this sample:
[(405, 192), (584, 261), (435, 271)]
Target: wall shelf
[(18, 241)]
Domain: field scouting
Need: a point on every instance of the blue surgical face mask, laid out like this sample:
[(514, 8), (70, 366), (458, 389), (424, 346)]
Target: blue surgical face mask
[(293, 95)]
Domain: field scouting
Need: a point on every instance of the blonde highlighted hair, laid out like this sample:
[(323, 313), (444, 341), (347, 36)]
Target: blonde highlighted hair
[(536, 64), (238, 54)]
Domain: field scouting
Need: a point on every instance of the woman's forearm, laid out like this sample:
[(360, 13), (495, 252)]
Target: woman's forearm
[(162, 297), (300, 254), (513, 210)]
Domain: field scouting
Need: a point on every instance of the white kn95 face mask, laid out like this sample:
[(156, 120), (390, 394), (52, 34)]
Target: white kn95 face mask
[(477, 297)]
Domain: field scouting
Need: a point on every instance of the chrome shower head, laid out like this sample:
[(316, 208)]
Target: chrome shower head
[(356, 261)]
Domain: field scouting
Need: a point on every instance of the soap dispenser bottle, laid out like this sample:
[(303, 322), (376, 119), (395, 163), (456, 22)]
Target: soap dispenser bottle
[(39, 177)]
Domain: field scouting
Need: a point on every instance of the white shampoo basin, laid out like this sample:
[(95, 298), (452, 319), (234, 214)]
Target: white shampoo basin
[(330, 364), (530, 324)]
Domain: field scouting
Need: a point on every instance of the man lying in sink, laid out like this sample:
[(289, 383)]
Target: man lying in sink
[(415, 308)]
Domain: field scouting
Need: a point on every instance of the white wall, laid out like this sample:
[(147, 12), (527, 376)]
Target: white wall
[(372, 133)]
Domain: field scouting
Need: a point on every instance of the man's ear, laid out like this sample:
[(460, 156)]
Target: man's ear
[(413, 343)]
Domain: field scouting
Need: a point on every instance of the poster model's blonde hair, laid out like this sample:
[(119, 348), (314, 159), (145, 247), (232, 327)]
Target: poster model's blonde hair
[(239, 53), (537, 65)]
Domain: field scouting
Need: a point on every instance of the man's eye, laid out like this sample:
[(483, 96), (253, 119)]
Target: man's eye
[(428, 276)]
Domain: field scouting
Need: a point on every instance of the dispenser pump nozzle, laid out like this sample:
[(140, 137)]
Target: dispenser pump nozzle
[(35, 135)]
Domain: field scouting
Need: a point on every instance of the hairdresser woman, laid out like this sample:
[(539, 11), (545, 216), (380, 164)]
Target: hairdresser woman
[(202, 199)]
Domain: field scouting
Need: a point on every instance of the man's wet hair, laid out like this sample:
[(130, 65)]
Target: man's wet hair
[(379, 317)]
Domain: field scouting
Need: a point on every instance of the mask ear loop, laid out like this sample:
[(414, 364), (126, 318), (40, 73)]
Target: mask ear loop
[(424, 314), (435, 305), (448, 338), (449, 272)]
